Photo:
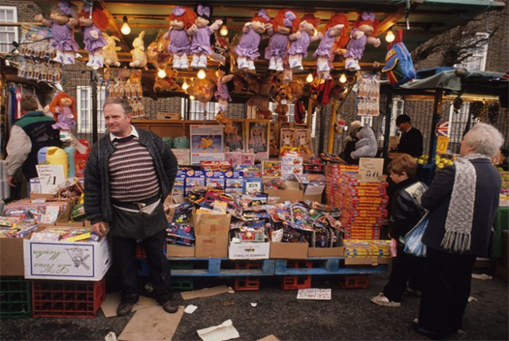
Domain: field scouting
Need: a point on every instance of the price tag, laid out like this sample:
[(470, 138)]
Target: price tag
[(50, 177), (371, 169), (442, 143)]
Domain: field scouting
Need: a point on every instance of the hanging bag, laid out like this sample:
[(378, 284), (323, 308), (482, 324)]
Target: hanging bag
[(413, 239)]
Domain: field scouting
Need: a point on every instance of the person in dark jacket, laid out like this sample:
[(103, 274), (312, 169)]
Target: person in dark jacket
[(30, 133), (405, 214), (411, 138), (463, 200), (128, 174)]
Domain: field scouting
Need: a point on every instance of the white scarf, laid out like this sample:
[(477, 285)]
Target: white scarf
[(458, 225)]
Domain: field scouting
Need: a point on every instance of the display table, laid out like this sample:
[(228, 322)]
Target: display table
[(501, 223)]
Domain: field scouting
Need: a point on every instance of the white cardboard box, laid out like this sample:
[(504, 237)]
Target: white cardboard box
[(77, 261), (249, 250), (183, 156)]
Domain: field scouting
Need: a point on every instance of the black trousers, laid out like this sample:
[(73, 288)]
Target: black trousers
[(405, 268), (447, 280), (124, 255)]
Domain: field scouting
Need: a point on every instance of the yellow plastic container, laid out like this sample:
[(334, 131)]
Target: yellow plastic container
[(57, 156)]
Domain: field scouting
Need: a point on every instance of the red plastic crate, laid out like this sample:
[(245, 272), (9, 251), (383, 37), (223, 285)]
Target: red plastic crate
[(247, 265), (292, 282), (67, 298), (354, 282), (247, 283)]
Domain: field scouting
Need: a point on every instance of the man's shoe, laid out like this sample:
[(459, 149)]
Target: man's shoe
[(124, 308), (413, 292), (170, 307), (429, 333), (383, 301)]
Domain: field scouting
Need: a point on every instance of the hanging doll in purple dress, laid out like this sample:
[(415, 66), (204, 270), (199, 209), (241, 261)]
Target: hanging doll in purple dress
[(63, 19), (93, 21), (200, 45), (247, 49), (305, 35), (181, 20), (222, 94), (283, 30), (62, 107), (336, 29), (365, 28)]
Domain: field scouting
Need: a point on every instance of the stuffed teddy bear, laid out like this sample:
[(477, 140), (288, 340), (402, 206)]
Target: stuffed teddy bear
[(181, 20), (110, 51), (63, 20), (62, 107), (366, 146), (93, 22), (247, 49), (201, 32), (222, 94), (166, 84), (157, 52), (138, 53), (283, 29), (364, 28), (305, 35), (336, 28)]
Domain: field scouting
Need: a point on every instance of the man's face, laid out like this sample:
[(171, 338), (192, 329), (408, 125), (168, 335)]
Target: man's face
[(404, 126), (116, 121)]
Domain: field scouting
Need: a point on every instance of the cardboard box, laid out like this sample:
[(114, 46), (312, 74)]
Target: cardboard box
[(367, 261), (63, 260), (288, 250), (291, 193), (249, 250), (179, 251), (211, 246), (207, 224), (183, 156), (11, 257), (172, 116), (326, 251)]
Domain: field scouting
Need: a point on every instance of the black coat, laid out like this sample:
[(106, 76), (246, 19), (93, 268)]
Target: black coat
[(487, 195), (98, 206), (411, 143)]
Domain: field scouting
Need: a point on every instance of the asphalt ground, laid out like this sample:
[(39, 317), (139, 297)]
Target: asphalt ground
[(348, 316)]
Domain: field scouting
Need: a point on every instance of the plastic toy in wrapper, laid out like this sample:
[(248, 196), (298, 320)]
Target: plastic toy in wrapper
[(274, 184), (70, 190), (300, 215), (24, 214), (183, 213), (290, 235), (196, 195), (182, 234)]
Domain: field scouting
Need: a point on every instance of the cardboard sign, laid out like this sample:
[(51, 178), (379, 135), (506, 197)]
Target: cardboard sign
[(442, 143), (371, 169), (50, 177)]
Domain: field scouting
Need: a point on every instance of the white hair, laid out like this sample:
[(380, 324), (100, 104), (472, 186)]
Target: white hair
[(485, 139)]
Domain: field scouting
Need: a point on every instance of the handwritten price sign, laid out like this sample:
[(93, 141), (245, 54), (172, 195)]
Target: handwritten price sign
[(50, 176), (371, 169)]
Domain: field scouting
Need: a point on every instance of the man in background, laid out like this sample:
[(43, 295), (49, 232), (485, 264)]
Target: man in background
[(411, 138), (128, 174), (30, 133)]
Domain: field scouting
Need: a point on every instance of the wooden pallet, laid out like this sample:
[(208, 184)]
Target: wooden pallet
[(326, 266)]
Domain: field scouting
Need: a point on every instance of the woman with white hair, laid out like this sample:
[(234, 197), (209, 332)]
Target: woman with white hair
[(463, 201)]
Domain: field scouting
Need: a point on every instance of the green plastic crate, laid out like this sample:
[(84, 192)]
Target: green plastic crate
[(15, 297)]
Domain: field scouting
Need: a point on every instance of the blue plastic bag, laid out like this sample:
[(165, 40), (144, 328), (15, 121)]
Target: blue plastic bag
[(413, 239)]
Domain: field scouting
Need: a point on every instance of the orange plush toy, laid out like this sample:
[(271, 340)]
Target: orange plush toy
[(63, 111)]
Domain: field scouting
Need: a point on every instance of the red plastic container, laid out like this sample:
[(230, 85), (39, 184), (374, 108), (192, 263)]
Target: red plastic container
[(81, 159)]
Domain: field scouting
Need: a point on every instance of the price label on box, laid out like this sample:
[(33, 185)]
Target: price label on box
[(371, 169)]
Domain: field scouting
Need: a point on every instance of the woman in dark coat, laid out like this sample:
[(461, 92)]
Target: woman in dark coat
[(463, 200)]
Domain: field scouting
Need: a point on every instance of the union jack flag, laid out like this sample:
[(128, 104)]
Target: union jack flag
[(442, 129)]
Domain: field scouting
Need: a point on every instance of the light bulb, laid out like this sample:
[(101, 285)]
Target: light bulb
[(125, 29), (185, 86), (315, 32), (191, 97), (223, 31), (390, 36), (161, 73), (309, 78), (202, 74), (95, 67), (342, 79)]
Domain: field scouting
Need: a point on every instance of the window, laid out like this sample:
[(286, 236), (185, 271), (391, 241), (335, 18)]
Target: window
[(477, 59), (398, 108), (8, 34), (84, 109)]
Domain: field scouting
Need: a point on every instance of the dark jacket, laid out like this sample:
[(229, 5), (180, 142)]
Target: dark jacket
[(411, 143), (38, 128), (438, 197), (98, 206), (406, 210), (349, 148)]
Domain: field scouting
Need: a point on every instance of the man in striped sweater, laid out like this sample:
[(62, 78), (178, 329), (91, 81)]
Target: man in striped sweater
[(128, 175)]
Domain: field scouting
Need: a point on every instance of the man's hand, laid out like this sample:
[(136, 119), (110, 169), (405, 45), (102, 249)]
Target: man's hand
[(100, 228), (13, 181)]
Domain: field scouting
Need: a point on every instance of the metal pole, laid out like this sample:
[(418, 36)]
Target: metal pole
[(387, 133), (322, 130), (437, 107), (93, 84)]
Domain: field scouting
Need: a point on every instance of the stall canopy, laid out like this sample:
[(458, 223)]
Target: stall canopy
[(421, 19)]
